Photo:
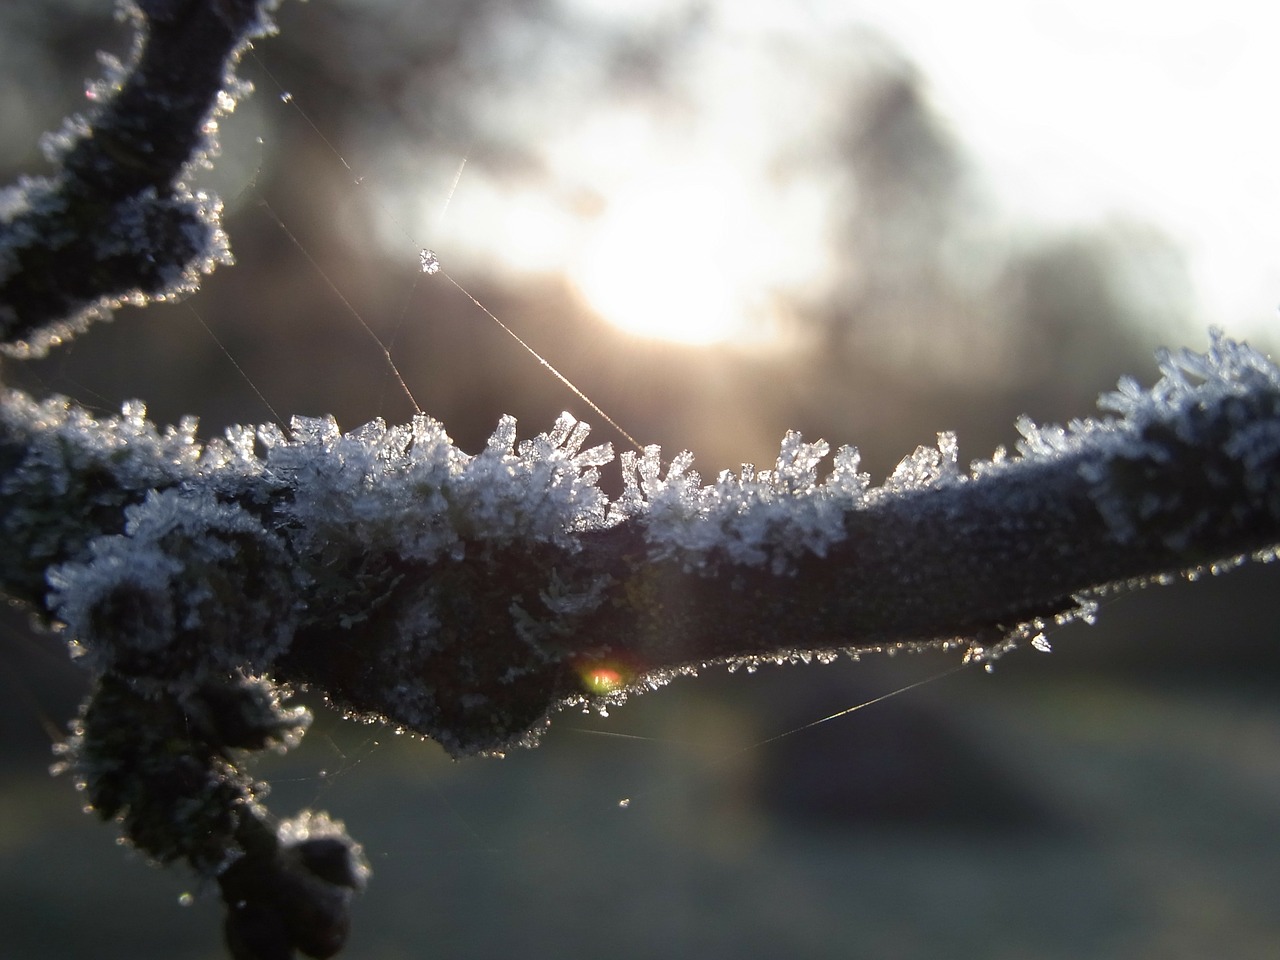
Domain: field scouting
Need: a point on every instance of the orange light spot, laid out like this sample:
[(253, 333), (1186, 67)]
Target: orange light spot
[(602, 680), (601, 675)]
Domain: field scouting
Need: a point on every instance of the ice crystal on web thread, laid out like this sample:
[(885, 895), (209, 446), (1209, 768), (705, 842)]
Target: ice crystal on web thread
[(429, 261)]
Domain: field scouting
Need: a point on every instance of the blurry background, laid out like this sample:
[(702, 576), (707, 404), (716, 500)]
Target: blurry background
[(865, 221)]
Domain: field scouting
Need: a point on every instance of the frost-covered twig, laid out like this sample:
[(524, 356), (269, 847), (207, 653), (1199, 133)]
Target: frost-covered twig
[(117, 223), (466, 597)]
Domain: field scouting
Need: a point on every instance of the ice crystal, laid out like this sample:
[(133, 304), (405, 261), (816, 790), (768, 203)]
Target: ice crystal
[(1220, 407), (754, 518), (323, 843), (927, 467), (114, 72), (429, 262), (1189, 381), (410, 491), (65, 441), (160, 590)]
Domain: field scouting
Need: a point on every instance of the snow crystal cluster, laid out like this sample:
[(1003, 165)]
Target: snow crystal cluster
[(753, 518), (165, 585), (63, 443), (1218, 411), (408, 490), (926, 467)]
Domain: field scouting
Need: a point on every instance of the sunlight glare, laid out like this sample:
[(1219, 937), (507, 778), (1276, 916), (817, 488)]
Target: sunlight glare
[(537, 231), (672, 258), (714, 215)]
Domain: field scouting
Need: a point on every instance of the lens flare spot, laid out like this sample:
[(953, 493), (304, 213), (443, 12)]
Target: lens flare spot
[(601, 676), (600, 680)]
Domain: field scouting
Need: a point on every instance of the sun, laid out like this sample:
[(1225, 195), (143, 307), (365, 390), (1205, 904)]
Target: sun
[(671, 257)]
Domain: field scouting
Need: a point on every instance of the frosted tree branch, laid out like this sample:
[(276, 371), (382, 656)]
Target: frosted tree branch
[(117, 223), (467, 597)]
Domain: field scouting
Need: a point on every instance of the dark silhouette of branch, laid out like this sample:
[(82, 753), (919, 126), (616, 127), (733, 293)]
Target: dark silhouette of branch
[(466, 598)]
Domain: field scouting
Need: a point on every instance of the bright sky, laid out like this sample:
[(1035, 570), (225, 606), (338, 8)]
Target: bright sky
[(1161, 110), (1072, 112)]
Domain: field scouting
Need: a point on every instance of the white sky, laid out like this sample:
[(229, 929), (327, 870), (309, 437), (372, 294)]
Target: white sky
[(1166, 111), (1073, 113)]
